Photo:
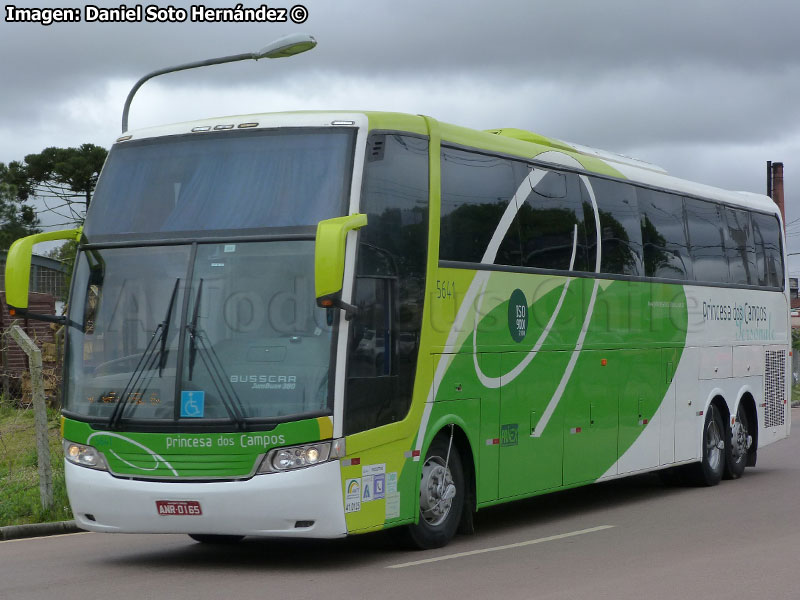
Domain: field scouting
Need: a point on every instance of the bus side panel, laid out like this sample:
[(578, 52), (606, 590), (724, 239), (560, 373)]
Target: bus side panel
[(487, 476), (529, 463), (670, 357), (592, 415), (642, 394)]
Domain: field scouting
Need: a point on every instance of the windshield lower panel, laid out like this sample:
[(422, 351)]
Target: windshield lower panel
[(208, 335)]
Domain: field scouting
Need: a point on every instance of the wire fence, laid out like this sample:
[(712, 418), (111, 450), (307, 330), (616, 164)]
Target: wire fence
[(21, 500)]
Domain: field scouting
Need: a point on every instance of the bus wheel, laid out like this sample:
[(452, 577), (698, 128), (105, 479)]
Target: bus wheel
[(709, 470), (211, 538), (441, 496), (738, 445)]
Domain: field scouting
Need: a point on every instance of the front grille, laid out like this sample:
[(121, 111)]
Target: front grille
[(138, 465)]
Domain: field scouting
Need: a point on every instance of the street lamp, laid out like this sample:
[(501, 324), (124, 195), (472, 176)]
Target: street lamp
[(288, 45)]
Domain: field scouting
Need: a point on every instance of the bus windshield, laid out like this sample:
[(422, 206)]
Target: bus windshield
[(187, 334), (230, 183)]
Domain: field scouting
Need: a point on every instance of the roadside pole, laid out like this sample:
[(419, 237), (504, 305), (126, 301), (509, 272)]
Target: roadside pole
[(40, 414)]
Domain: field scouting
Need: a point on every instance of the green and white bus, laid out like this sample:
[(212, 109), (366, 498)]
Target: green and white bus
[(317, 324)]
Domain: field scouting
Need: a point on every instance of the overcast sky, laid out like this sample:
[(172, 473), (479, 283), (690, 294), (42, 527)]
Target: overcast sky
[(707, 89)]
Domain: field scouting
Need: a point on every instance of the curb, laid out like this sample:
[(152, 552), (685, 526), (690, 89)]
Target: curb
[(14, 532)]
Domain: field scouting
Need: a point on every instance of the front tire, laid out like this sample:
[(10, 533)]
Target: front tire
[(442, 492), (709, 470)]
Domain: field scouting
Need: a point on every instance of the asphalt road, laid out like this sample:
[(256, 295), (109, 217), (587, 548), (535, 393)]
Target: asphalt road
[(634, 538)]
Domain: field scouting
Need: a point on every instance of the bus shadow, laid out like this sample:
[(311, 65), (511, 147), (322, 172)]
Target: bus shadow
[(576, 502), (382, 548), (266, 554), (270, 555)]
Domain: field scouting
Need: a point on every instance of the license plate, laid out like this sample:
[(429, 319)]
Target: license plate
[(176, 508)]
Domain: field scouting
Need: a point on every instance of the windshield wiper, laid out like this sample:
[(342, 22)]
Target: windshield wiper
[(212, 363), (162, 359), (146, 362), (193, 329)]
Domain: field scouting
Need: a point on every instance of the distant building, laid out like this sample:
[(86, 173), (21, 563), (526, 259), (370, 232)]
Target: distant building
[(48, 287), (48, 276), (795, 302)]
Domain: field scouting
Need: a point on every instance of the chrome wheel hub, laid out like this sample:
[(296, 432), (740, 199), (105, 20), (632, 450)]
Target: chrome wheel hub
[(740, 439), (714, 444), (436, 491)]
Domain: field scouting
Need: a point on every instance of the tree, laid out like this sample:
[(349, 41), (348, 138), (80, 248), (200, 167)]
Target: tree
[(16, 219), (63, 179)]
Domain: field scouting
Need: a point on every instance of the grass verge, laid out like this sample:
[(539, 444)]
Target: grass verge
[(19, 477)]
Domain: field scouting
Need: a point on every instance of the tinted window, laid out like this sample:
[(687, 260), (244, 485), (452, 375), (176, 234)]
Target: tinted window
[(620, 227), (706, 241), (741, 248), (550, 222), (227, 181), (390, 282), (769, 261), (665, 245), (476, 191)]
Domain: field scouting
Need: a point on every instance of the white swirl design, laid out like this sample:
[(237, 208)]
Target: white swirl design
[(158, 459), (478, 287)]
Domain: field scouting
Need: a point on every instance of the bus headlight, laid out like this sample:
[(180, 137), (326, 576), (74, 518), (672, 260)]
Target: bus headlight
[(298, 457), (84, 456)]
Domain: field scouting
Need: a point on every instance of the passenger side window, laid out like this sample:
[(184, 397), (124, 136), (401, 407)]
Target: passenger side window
[(550, 223), (664, 240), (707, 241), (740, 247), (620, 227), (769, 259), (476, 191)]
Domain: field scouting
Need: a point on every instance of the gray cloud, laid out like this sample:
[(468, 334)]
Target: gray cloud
[(707, 89)]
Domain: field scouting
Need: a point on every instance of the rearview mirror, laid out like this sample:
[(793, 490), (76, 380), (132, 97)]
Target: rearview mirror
[(329, 260), (18, 272)]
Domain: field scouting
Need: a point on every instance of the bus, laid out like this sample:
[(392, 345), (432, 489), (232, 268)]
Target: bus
[(316, 324)]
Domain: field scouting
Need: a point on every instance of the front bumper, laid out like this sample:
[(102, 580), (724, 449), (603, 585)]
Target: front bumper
[(266, 505)]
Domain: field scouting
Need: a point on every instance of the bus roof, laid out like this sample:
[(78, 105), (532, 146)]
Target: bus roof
[(510, 141)]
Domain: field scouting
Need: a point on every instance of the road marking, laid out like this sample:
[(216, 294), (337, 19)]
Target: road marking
[(40, 537), (496, 548)]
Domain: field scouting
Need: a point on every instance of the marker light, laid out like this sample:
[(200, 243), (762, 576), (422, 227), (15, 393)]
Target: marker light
[(84, 456)]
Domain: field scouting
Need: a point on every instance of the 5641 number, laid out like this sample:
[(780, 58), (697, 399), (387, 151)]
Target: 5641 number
[(445, 289)]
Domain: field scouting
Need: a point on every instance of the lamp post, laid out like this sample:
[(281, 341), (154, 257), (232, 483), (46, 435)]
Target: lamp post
[(288, 45)]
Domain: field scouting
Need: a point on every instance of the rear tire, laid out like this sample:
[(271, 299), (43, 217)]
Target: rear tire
[(212, 538), (738, 447), (709, 470), (441, 497)]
